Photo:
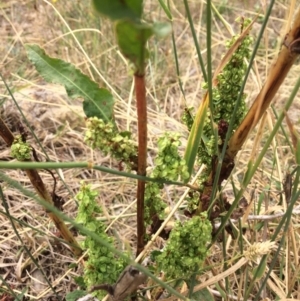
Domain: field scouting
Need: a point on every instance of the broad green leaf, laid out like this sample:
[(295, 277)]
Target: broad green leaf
[(132, 40), (97, 101), (120, 9)]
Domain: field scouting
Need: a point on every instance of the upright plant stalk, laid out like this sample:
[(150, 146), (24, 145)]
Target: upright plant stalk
[(40, 188), (132, 35), (140, 90)]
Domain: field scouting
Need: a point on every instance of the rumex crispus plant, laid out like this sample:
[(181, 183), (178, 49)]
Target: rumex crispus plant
[(217, 132), (101, 266)]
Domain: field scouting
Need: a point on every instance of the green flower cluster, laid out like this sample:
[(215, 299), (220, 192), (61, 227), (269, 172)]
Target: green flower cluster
[(105, 137), (188, 117), (102, 266), (168, 165), (186, 248), (225, 94), (20, 150), (192, 199)]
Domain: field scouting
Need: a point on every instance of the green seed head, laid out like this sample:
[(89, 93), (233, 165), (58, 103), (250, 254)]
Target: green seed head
[(20, 150)]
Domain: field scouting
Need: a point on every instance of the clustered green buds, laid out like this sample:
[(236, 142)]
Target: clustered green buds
[(186, 248), (188, 117), (20, 150), (154, 205), (102, 266), (225, 95), (168, 165), (105, 137)]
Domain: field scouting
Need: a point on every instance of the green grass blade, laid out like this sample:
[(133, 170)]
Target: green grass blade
[(209, 64), (194, 138), (176, 60), (8, 289), (97, 101), (297, 177), (166, 9), (195, 38), (282, 129), (197, 128)]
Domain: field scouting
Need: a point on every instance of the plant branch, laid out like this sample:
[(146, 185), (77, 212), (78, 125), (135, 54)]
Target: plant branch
[(89, 165)]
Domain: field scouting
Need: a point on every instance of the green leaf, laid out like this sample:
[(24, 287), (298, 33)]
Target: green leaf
[(132, 39), (79, 280), (73, 296), (203, 294), (154, 254), (97, 102), (101, 107), (258, 226), (120, 9)]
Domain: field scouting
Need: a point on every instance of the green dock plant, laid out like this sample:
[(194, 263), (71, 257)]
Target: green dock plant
[(20, 150), (101, 266), (186, 249), (168, 164), (103, 134), (187, 246), (105, 137), (217, 117), (224, 96)]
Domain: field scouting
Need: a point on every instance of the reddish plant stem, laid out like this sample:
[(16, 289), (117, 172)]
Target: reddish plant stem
[(140, 90)]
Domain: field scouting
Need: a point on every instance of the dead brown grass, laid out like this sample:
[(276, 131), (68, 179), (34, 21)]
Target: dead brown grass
[(58, 123)]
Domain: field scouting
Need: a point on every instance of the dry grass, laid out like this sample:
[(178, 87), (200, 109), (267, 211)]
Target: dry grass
[(59, 125)]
